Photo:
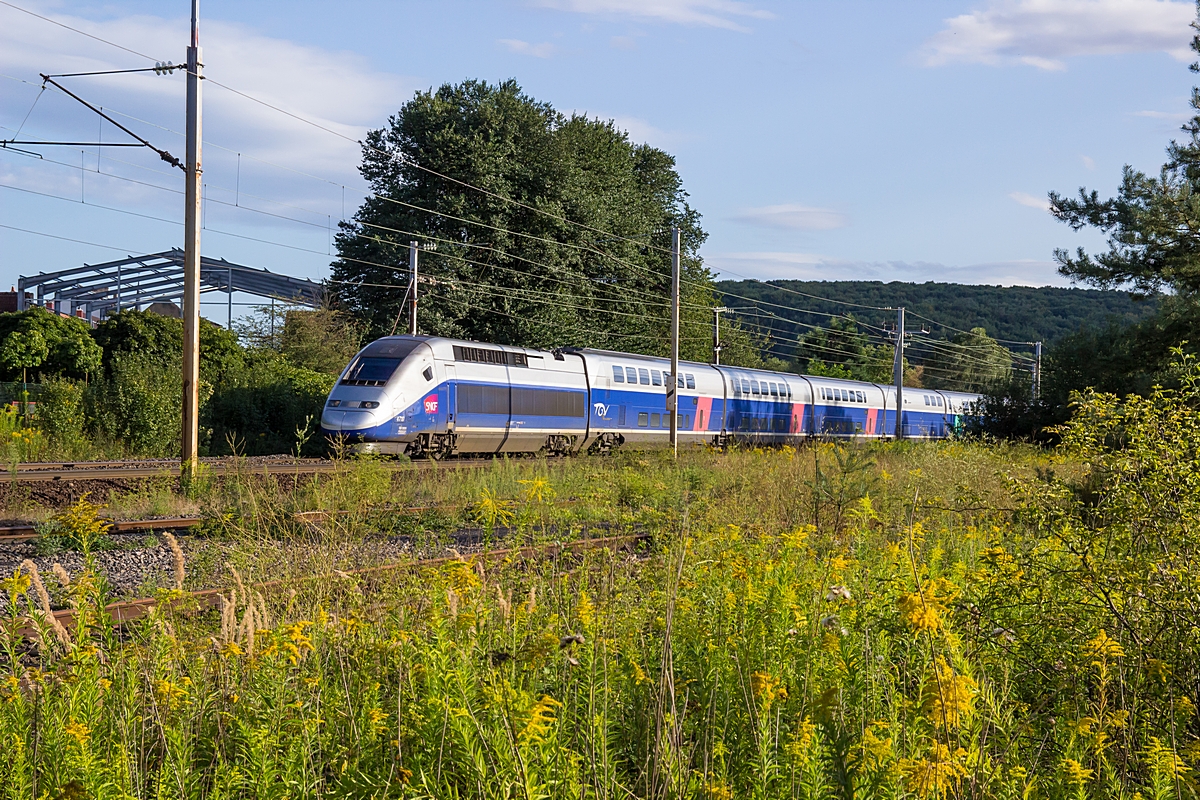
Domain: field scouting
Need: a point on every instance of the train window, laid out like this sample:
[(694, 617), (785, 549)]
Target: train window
[(679, 380), (691, 380), (643, 376), (862, 397), (630, 375), (427, 373), (643, 419), (618, 374), (656, 377), (737, 387), (473, 398), (745, 386), (621, 416), (754, 388), (821, 391), (773, 389), (654, 421), (371, 371)]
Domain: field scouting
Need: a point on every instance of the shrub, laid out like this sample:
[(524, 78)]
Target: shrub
[(263, 406), (60, 413), (140, 404)]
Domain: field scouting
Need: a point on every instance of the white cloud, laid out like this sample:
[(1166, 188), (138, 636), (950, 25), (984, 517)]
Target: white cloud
[(623, 42), (1088, 161), (795, 217), (341, 91), (1031, 200), (542, 50), (1041, 33), (708, 13), (1170, 116), (807, 266)]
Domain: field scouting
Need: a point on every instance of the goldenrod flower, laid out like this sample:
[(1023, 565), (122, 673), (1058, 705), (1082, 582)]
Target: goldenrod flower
[(948, 696), (78, 731)]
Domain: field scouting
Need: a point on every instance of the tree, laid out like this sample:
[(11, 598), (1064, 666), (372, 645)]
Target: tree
[(1152, 224), (159, 339), (321, 341), (969, 362), (843, 351), (568, 243), (70, 351), (23, 350)]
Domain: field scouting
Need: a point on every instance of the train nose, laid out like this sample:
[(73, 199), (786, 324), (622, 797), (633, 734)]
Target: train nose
[(335, 420)]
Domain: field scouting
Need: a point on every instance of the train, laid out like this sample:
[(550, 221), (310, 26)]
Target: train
[(434, 397)]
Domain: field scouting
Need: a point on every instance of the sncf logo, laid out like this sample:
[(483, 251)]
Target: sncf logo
[(431, 404)]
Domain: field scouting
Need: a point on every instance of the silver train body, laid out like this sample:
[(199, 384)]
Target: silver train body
[(431, 396)]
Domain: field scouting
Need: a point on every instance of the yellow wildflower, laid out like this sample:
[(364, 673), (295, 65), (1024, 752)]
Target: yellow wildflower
[(1074, 773), (541, 719), (78, 731), (938, 772), (948, 696)]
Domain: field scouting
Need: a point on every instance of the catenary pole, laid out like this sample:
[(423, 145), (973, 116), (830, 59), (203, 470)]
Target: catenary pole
[(717, 334), (191, 255), (412, 308), (899, 373), (673, 387), (1037, 370)]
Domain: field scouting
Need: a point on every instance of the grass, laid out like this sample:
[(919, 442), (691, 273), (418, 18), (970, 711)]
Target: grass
[(889, 620)]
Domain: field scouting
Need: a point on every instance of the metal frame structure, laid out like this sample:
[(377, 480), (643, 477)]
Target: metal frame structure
[(138, 281)]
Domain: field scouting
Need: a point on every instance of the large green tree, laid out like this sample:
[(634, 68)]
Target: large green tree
[(542, 229), (970, 362), (69, 351)]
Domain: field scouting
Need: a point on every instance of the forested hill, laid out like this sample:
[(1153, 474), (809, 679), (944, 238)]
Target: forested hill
[(1019, 313)]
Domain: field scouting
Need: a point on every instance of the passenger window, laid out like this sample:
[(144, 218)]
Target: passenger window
[(754, 387), (618, 374), (862, 397), (737, 386), (644, 376), (656, 377), (691, 381), (654, 421), (679, 379), (774, 387), (745, 386), (631, 375), (643, 419)]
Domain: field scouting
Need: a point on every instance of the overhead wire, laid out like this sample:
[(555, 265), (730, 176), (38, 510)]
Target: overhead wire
[(410, 162)]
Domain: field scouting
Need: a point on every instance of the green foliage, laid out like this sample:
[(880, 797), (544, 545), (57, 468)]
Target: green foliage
[(61, 413), (841, 350), (139, 403), (261, 408), (503, 272), (969, 362), (46, 344), (319, 341), (159, 339), (1016, 313)]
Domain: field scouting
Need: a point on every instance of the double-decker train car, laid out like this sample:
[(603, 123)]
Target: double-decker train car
[(432, 396)]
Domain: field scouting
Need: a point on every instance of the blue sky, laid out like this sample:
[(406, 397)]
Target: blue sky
[(819, 139)]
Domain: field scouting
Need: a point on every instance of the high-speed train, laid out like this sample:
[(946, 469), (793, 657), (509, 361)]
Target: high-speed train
[(432, 396)]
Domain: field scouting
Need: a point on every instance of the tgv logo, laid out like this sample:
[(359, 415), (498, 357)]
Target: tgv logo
[(601, 410)]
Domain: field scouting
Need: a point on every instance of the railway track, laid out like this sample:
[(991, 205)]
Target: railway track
[(109, 470), (206, 599)]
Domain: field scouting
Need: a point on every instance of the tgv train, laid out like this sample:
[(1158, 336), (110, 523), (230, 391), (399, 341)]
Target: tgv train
[(431, 396)]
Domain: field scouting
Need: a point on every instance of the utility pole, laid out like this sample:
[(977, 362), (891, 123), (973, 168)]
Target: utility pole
[(717, 334), (899, 373), (1037, 370), (191, 257), (673, 389), (412, 308)]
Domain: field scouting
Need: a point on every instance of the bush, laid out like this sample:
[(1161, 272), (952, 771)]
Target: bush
[(60, 413), (266, 407), (140, 404)]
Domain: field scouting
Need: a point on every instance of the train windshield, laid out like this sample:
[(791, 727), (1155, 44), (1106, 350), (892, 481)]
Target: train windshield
[(378, 363)]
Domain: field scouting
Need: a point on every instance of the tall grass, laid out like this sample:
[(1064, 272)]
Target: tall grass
[(879, 621)]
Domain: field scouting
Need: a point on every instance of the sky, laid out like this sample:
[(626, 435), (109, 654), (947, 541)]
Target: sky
[(819, 139)]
